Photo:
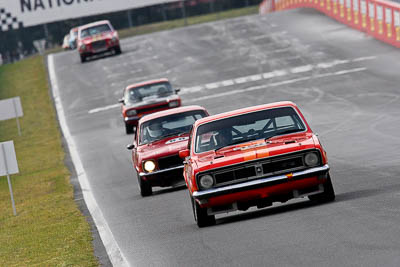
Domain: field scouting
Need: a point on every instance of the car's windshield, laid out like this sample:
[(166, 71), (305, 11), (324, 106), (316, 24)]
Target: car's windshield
[(95, 30), (251, 126), (148, 92), (171, 125)]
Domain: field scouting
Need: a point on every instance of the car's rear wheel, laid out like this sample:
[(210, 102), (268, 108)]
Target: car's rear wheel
[(83, 58), (144, 187), (128, 128), (328, 195), (201, 216)]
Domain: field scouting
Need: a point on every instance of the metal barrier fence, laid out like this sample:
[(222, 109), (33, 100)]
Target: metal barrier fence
[(378, 18)]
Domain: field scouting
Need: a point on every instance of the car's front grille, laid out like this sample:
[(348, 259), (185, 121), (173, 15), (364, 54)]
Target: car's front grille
[(260, 168), (154, 108), (99, 44), (238, 174), (283, 165), (169, 162)]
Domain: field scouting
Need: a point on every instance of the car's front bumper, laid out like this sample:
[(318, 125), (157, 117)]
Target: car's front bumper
[(166, 177), (230, 192), (147, 174)]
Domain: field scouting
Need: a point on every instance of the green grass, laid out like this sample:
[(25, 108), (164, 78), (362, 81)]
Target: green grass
[(49, 229), (168, 25)]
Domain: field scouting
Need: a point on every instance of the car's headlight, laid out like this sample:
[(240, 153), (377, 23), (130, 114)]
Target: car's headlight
[(173, 104), (149, 166), (311, 159), (83, 47), (131, 112), (114, 39), (206, 181)]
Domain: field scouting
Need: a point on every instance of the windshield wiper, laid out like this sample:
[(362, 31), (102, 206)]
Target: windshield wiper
[(283, 132)]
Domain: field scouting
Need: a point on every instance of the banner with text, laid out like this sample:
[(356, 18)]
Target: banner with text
[(25, 13)]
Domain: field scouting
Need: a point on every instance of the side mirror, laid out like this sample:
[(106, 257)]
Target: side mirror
[(121, 100), (184, 153), (177, 90), (130, 146)]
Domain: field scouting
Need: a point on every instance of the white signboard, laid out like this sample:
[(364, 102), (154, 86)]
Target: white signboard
[(8, 159), (10, 108), (25, 13)]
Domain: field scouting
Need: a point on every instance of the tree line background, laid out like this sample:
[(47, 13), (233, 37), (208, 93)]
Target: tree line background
[(17, 44)]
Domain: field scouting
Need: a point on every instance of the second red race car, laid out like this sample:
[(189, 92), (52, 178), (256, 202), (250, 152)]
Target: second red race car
[(156, 145), (147, 97)]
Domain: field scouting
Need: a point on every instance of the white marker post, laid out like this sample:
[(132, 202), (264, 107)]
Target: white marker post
[(8, 166), (11, 108)]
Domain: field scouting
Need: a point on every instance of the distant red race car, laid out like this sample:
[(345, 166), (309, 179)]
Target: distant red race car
[(145, 98), (156, 145), (253, 157), (97, 37)]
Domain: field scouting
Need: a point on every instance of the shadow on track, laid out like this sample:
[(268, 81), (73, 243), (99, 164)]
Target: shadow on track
[(347, 196), (268, 211)]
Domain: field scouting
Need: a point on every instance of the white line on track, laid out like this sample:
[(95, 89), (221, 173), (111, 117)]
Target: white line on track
[(257, 77), (260, 87), (273, 74), (95, 110), (114, 252)]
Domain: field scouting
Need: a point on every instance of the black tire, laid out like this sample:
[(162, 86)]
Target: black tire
[(201, 216), (83, 59), (128, 128), (144, 187), (118, 50), (328, 195)]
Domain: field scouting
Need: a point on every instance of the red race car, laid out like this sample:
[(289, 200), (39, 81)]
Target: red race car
[(156, 145), (253, 157), (96, 38), (145, 98)]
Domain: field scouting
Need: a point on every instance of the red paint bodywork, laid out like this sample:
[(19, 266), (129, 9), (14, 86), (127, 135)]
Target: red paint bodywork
[(279, 145), (150, 108), (160, 149), (85, 44)]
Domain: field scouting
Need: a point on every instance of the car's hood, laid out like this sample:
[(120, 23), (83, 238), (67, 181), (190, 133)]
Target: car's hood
[(147, 101), (98, 37), (163, 148), (254, 150)]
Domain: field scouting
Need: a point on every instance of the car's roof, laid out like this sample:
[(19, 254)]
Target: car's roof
[(94, 24), (244, 111), (171, 111), (146, 83)]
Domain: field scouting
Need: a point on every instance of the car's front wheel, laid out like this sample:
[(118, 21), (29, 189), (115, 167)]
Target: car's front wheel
[(328, 195), (128, 128), (201, 216), (118, 50), (83, 58), (144, 187)]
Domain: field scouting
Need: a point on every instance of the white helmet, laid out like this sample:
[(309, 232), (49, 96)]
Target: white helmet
[(155, 129)]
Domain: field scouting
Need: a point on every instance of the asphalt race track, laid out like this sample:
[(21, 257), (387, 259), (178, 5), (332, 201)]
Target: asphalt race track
[(346, 84)]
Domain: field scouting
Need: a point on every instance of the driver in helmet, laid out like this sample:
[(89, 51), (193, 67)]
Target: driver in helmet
[(224, 137), (155, 130)]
